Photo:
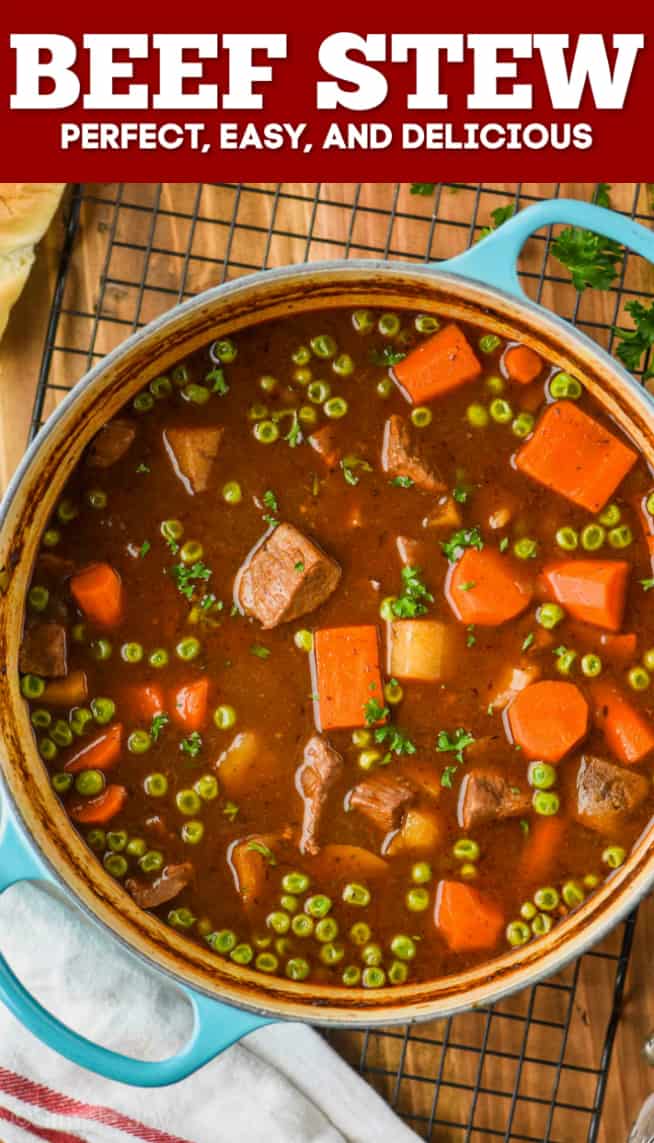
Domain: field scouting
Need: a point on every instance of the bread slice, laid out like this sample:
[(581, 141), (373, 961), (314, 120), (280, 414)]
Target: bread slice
[(26, 210)]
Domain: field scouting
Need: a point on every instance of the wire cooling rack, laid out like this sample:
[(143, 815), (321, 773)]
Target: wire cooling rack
[(535, 1066)]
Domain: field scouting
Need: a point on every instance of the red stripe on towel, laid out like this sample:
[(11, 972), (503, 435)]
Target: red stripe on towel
[(59, 1104), (46, 1133)]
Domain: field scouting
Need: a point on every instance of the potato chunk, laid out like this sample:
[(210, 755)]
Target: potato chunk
[(423, 649)]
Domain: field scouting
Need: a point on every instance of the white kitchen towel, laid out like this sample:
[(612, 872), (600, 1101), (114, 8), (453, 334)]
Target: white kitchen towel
[(282, 1084)]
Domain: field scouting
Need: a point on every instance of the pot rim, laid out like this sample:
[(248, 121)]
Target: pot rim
[(611, 903)]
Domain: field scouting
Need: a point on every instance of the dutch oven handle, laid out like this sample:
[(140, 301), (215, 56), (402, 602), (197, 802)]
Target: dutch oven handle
[(494, 260), (215, 1025)]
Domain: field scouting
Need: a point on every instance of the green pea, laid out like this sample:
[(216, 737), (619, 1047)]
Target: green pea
[(421, 416), (591, 880), (307, 415), (389, 325), (489, 343), (501, 411), (638, 679), (541, 924), (621, 537), (152, 861), (565, 662), (259, 411), (593, 537), (41, 719), (327, 929), (301, 355), (47, 749), (525, 548), (115, 864), (222, 941), (206, 787), (302, 376), (323, 346), (363, 321), (546, 899), (61, 733), (468, 870), (403, 947), (139, 742), (614, 856), (38, 597), (192, 832), (563, 385), (335, 408), (421, 872), (356, 894), (96, 839), (297, 968), (572, 894), (351, 975), (160, 387), (67, 511), (90, 783), (196, 394), (158, 658), (393, 692), (495, 384), (426, 323), (373, 977), (31, 686), (466, 850), (203, 927), (232, 493), (361, 737), (318, 905), (101, 650), (188, 648), (610, 516), (188, 802), (343, 365), (156, 785), (591, 665), (191, 551), (372, 953), (266, 962), (78, 633), (360, 933), (96, 498), (143, 402), (224, 350), (268, 383), (523, 425), (182, 919), (648, 663), (384, 388), (477, 416), (332, 952), (289, 902), (567, 538), (528, 910), (546, 802), (136, 847), (103, 710), (61, 783), (80, 717), (417, 900), (541, 775), (180, 375), (266, 432), (172, 530), (518, 933), (549, 615), (302, 926), (117, 840), (318, 392), (51, 538), (295, 882), (368, 759), (303, 640)]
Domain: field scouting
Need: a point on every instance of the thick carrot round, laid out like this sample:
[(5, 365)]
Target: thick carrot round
[(465, 918), (101, 754), (522, 364), (190, 704), (591, 590), (629, 735), (145, 702), (441, 363), (98, 811), (544, 842), (487, 588), (98, 592), (548, 719)]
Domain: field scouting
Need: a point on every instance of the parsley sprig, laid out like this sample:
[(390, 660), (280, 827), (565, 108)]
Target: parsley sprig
[(415, 594), (454, 743), (270, 502), (634, 343), (159, 721), (191, 745), (349, 465), (459, 541), (387, 356), (591, 258), (187, 576), (499, 216), (260, 847)]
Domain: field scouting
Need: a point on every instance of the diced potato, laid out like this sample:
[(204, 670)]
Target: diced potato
[(338, 863), (444, 514), (423, 774), (422, 649), (421, 832), (510, 682), (73, 690), (245, 764)]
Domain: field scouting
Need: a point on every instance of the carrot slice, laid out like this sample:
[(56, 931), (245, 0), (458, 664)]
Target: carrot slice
[(440, 364), (71, 691), (326, 443), (101, 754), (252, 861), (465, 918), (190, 704), (145, 702), (629, 735), (591, 590), (347, 675), (575, 456), (548, 719), (486, 588), (545, 838), (522, 364), (98, 592), (97, 811)]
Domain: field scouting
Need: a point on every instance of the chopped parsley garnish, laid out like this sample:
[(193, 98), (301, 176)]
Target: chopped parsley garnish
[(591, 258), (349, 464), (185, 575), (401, 482), (157, 725), (230, 810), (468, 585), (559, 651), (375, 712), (262, 848), (455, 744), (387, 356), (634, 343), (294, 435), (260, 651), (423, 188), (414, 597), (527, 642), (270, 500), (470, 637), (145, 548), (140, 468), (397, 741), (235, 610), (524, 826), (504, 543), (603, 195), (271, 521), (500, 215), (219, 385), (647, 584), (461, 494), (210, 601), (459, 541), (191, 745), (299, 566)]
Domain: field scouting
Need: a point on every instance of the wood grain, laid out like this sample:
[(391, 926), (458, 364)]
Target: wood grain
[(135, 260)]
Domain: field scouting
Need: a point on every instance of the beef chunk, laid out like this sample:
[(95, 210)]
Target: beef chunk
[(404, 455), (488, 796), (284, 576), (111, 444), (383, 800), (326, 443), (150, 894), (607, 794), (43, 651), (192, 452), (321, 767)]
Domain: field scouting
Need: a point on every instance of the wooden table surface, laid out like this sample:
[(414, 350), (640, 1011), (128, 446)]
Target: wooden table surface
[(20, 354)]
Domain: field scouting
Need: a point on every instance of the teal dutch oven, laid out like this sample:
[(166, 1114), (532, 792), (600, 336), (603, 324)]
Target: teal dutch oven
[(37, 841)]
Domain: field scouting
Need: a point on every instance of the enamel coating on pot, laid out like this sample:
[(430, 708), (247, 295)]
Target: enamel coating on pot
[(37, 839)]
